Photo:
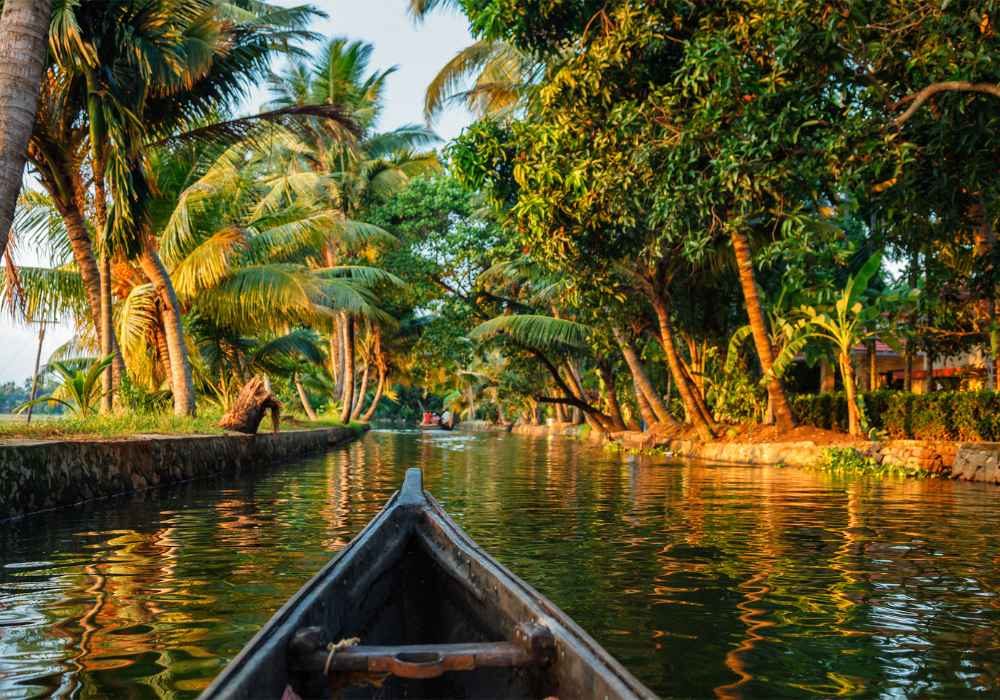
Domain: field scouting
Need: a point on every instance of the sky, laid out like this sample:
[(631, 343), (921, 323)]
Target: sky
[(418, 50)]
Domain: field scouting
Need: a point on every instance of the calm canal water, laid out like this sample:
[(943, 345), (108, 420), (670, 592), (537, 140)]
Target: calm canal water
[(705, 581)]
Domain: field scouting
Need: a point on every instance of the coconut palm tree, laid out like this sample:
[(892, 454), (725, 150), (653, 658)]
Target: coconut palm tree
[(23, 33), (175, 62), (239, 258), (374, 166)]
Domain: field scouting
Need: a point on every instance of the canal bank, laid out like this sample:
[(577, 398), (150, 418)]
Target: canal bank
[(39, 475), (965, 461), (660, 565)]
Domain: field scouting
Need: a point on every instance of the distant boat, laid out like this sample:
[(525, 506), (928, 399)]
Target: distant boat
[(432, 422), (412, 607)]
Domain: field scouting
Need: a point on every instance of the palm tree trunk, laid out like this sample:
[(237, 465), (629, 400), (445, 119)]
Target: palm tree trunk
[(304, 398), (645, 410), (697, 395), (347, 398), (702, 426), (984, 241), (180, 364), (106, 335), (576, 384), (761, 338), (160, 340), (640, 379), (367, 415), (24, 31), (359, 398), (337, 357), (617, 421)]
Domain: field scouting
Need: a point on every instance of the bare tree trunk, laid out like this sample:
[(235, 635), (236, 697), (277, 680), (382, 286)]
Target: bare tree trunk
[(847, 372), (827, 377), (162, 352), (908, 352), (359, 398), (304, 398), (86, 263), (761, 338), (367, 415), (347, 398), (699, 397), (648, 417), (337, 356), (560, 413), (611, 398), (872, 357), (576, 384), (984, 243), (24, 32), (106, 335), (640, 379), (697, 420), (180, 364)]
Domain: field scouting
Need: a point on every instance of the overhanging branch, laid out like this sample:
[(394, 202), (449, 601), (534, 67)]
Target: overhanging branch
[(917, 99)]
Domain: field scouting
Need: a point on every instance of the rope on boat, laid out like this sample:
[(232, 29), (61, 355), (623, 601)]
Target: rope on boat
[(334, 647)]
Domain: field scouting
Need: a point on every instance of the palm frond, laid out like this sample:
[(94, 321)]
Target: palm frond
[(534, 331), (209, 263)]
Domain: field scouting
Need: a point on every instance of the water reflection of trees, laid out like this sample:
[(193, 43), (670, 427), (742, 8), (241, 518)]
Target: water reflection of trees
[(746, 581)]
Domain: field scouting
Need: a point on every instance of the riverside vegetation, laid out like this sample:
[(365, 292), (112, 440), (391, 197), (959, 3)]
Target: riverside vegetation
[(665, 216)]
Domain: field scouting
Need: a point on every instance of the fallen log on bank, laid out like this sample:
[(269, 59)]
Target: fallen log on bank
[(249, 408)]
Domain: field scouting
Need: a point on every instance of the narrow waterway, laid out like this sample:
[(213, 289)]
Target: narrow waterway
[(705, 581)]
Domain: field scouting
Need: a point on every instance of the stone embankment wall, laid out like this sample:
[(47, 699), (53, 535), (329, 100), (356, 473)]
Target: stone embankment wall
[(482, 426), (38, 475), (968, 461)]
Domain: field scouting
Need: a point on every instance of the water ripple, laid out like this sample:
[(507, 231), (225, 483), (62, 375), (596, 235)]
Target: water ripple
[(704, 580)]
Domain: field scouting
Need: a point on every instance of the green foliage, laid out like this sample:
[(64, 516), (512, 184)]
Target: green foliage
[(851, 461), (135, 398), (940, 415), (125, 424), (79, 390), (534, 331)]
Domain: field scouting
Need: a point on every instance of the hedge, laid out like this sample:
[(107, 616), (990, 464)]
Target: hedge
[(941, 415)]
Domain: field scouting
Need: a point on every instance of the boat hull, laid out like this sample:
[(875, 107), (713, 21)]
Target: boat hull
[(413, 577)]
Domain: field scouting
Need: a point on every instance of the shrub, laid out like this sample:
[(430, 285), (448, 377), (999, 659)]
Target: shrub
[(941, 415), (848, 460), (829, 411)]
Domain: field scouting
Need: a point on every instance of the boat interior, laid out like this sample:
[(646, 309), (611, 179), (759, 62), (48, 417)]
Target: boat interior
[(412, 616)]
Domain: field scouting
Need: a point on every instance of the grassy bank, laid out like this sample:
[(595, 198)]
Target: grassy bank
[(131, 424)]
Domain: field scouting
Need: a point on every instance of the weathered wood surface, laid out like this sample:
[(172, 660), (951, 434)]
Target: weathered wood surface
[(412, 578), (253, 402)]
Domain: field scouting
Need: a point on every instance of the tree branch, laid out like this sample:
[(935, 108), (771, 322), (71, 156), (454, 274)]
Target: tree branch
[(917, 99)]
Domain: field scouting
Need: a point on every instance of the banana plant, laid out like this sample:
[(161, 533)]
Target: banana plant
[(853, 319)]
